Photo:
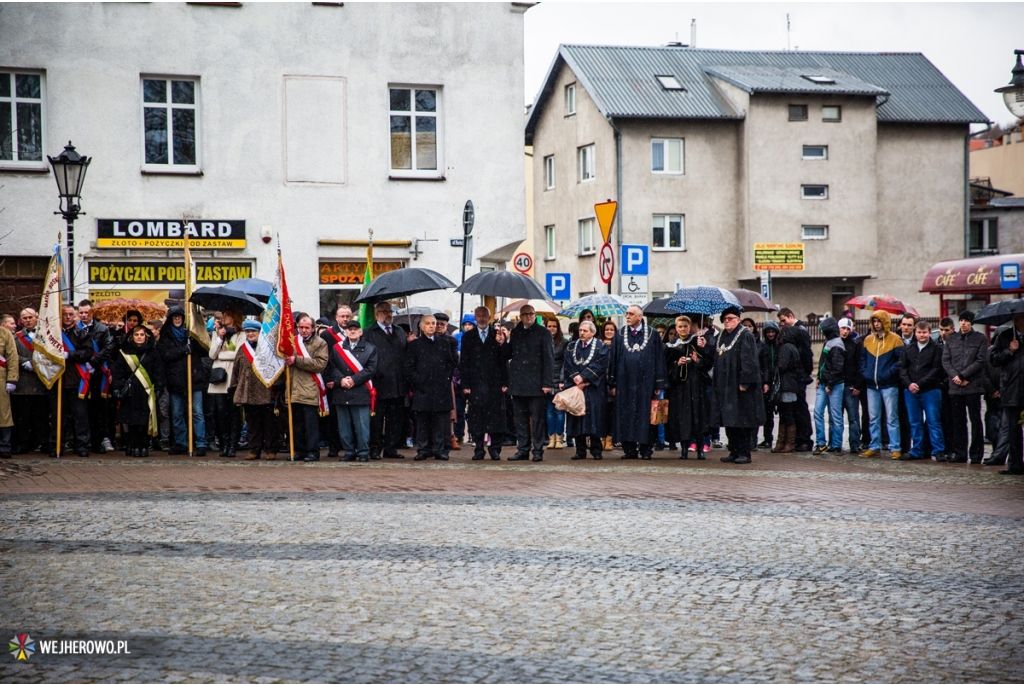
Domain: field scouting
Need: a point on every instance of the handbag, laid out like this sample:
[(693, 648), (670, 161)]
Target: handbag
[(774, 389), (659, 412), (571, 400), (218, 375)]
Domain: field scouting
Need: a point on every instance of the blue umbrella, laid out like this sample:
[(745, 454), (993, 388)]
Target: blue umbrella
[(702, 299), (603, 306), (253, 287)]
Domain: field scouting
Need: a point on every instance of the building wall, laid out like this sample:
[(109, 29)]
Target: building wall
[(569, 201), (1004, 164), (242, 56), (920, 208)]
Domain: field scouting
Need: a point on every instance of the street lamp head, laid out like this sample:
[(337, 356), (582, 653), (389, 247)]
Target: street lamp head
[(69, 168), (1013, 93)]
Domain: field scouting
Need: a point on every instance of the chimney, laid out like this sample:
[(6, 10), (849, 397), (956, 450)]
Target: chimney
[(693, 33)]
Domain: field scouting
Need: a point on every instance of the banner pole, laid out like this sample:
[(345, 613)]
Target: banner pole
[(291, 423), (188, 366), (60, 396)]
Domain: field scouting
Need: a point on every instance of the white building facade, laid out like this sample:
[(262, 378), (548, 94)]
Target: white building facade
[(307, 124)]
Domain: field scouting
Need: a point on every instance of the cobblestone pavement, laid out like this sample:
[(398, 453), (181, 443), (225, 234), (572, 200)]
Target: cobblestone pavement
[(789, 569)]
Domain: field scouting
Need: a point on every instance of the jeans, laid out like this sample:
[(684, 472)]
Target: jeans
[(834, 400), (354, 429), (180, 428), (890, 397), (556, 418), (930, 403), (852, 406)]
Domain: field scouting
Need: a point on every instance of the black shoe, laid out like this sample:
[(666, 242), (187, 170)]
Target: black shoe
[(421, 457), (683, 456), (478, 457), (907, 457), (365, 460), (975, 461), (393, 455), (658, 447), (988, 461), (1011, 472), (200, 452), (144, 452), (5, 455), (495, 457), (223, 450), (82, 452), (700, 456), (597, 457), (312, 456), (956, 460), (645, 456), (519, 457), (577, 457), (765, 444), (672, 447), (441, 457), (836, 450), (729, 459), (348, 457), (332, 455), (741, 459), (177, 449), (538, 457), (230, 454), (53, 454), (135, 452), (939, 457), (630, 456)]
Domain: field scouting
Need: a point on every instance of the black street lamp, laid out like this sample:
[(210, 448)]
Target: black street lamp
[(1013, 93), (69, 168)]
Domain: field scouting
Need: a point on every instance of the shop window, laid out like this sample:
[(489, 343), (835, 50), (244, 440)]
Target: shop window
[(984, 237), (170, 125), (22, 120)]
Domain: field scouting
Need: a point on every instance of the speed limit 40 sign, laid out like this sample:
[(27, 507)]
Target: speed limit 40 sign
[(522, 262)]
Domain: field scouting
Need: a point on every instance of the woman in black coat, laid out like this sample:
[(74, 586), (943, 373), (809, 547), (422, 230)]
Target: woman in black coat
[(137, 379), (689, 413), (793, 380)]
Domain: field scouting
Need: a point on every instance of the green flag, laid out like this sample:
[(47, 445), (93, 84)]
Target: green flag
[(366, 315)]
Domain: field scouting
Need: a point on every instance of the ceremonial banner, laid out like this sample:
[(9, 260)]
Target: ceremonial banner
[(48, 345), (366, 315), (196, 323), (266, 363)]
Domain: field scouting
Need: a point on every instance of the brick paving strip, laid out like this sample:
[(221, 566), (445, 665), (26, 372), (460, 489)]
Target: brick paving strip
[(773, 479)]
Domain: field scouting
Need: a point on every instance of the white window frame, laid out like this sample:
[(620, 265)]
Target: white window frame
[(549, 172), (812, 158), (804, 235), (582, 226), (586, 165), (14, 99), (805, 196), (664, 232), (171, 167), (570, 99), (437, 114), (664, 142), (550, 243), (839, 113)]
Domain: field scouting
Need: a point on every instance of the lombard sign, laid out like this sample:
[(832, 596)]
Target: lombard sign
[(163, 233)]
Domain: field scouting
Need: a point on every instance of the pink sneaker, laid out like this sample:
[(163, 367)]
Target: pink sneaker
[(693, 447)]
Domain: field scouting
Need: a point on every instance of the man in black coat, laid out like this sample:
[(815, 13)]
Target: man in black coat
[(78, 353), (531, 369), (801, 411), (964, 358), (175, 347), (387, 423), (101, 422), (853, 382), (1007, 357), (737, 386), (484, 373), (351, 368), (429, 365), (922, 377), (334, 334)]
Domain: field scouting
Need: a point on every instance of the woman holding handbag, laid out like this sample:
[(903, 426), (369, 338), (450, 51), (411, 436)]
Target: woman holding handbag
[(137, 379), (689, 415), (585, 365)]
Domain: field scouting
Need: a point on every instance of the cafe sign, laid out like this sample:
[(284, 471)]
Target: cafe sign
[(164, 273), (170, 233)]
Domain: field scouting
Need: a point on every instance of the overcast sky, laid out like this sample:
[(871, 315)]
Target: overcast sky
[(971, 43)]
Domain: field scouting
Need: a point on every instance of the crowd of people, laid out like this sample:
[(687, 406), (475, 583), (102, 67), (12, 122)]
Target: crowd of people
[(366, 394)]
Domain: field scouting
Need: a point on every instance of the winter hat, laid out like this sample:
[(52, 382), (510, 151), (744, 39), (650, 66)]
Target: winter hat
[(845, 323), (251, 325), (730, 310), (967, 315)]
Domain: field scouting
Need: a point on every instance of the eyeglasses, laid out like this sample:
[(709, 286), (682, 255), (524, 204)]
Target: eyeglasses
[(528, 314)]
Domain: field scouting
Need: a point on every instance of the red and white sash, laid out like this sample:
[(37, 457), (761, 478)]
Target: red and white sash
[(248, 351), (301, 351), (355, 367)]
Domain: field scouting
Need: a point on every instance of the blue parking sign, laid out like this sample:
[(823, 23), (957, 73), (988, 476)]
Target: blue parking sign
[(558, 286), (634, 260)]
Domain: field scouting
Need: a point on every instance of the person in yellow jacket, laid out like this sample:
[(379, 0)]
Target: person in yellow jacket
[(309, 392), (9, 368)]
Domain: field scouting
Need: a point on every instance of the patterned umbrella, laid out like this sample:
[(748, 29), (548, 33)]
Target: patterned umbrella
[(115, 309), (702, 299), (882, 303), (603, 306)]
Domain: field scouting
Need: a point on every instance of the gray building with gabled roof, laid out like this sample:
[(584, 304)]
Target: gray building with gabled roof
[(860, 156)]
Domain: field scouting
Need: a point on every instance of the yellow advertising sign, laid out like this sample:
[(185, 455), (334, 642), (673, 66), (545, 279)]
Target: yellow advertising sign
[(351, 273), (778, 256), (605, 212)]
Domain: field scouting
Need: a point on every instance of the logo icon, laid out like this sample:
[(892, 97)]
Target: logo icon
[(22, 647)]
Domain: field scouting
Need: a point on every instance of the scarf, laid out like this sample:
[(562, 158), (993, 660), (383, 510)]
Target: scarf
[(355, 367)]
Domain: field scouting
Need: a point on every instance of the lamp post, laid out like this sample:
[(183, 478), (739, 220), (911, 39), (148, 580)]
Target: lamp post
[(1013, 93), (69, 168)]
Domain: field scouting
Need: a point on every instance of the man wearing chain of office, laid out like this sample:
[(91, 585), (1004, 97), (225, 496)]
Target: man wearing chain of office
[(636, 373)]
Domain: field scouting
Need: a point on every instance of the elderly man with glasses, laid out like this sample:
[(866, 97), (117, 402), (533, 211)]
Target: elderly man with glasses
[(738, 383)]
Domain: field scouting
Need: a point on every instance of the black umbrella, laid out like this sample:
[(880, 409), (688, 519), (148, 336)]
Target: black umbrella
[(503, 284), (657, 307), (753, 301), (220, 298), (256, 288), (403, 282), (999, 312)]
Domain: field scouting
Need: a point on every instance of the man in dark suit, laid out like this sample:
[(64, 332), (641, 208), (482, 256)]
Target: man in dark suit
[(484, 373), (388, 421), (429, 364), (531, 370)]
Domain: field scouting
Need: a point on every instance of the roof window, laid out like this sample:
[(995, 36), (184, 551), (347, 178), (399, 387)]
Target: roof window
[(820, 80), (669, 82)]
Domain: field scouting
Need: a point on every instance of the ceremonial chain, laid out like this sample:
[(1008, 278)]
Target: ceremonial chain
[(579, 362), (722, 350), (636, 347)]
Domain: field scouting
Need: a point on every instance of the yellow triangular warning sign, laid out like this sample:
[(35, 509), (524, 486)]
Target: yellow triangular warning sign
[(605, 212)]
